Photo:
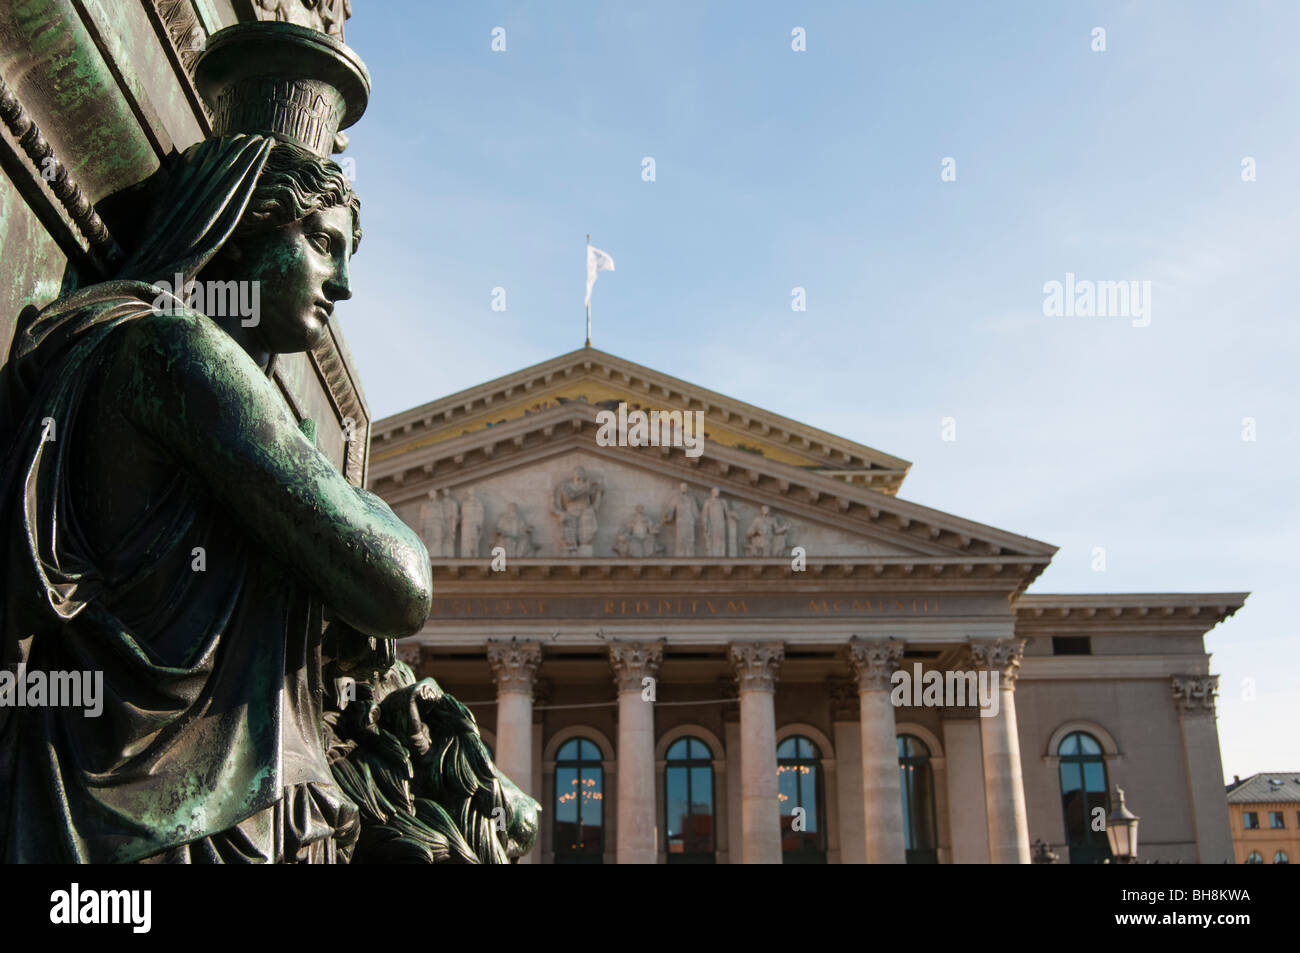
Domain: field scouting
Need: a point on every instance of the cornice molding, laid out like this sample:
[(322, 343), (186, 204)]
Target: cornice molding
[(800, 492), (851, 461), (1043, 615), (913, 574)]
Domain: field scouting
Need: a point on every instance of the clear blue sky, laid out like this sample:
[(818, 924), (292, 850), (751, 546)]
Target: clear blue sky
[(821, 169)]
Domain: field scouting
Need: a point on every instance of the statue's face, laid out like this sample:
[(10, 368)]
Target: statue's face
[(302, 268)]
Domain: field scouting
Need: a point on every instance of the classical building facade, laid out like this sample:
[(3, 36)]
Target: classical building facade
[(752, 650)]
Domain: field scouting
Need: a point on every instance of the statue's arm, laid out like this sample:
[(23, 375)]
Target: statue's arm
[(191, 388)]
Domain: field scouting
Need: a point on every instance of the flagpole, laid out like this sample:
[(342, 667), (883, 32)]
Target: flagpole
[(588, 302)]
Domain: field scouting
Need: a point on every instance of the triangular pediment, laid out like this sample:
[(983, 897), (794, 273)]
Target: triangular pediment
[(522, 461), (598, 380)]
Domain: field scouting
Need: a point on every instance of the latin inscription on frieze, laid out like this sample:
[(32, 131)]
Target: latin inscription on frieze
[(714, 606)]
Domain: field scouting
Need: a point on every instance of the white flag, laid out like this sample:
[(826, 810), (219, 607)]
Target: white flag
[(597, 260)]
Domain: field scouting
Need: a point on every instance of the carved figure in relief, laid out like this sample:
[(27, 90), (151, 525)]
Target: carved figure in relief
[(636, 537), (451, 518), (766, 535), (433, 523), (575, 502), (471, 524), (685, 512), (514, 533), (719, 524)]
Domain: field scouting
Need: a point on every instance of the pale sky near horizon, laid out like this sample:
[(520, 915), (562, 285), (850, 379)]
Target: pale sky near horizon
[(821, 169)]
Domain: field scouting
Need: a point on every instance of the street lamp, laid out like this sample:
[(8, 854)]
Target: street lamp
[(1122, 831)]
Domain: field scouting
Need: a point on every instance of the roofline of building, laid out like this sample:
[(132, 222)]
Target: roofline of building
[(488, 391)]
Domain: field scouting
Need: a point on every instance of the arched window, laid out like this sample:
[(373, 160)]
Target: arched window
[(688, 802), (1281, 858), (799, 791), (916, 778), (1254, 857), (1083, 792), (579, 805)]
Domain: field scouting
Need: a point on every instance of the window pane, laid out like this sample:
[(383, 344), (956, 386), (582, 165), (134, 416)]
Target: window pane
[(568, 751), (589, 752), (786, 748), (677, 751), (905, 780), (1071, 776), (923, 797), (699, 836), (1094, 775), (567, 834), (1069, 746), (808, 797), (787, 786), (678, 808), (1088, 744)]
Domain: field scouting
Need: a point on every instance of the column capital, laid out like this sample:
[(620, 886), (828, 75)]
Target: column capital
[(634, 661), (874, 661), (756, 664), (998, 655), (515, 665), (1194, 694)]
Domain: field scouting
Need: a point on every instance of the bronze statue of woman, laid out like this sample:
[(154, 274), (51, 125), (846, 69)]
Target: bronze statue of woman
[(167, 522)]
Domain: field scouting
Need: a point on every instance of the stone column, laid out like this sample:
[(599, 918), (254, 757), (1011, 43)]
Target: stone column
[(637, 834), (756, 665), (515, 666), (968, 819), (735, 828), (845, 712), (882, 795), (1004, 782), (1194, 697)]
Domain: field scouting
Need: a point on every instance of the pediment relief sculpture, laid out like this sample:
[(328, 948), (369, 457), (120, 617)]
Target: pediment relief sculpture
[(574, 503), (685, 512), (513, 533), (767, 535), (638, 536)]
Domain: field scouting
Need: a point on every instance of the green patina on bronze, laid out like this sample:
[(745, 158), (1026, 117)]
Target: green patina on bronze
[(167, 520)]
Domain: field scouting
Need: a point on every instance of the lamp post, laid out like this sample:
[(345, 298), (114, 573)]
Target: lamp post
[(1122, 831)]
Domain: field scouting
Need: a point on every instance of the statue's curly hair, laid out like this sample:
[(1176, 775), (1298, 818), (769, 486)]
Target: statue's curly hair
[(295, 183)]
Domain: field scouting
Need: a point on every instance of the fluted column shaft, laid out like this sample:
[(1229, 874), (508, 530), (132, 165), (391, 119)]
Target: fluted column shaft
[(756, 666), (882, 797), (1004, 782), (637, 835), (515, 666)]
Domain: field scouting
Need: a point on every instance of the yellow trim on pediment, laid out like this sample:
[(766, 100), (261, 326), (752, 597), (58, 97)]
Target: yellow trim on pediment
[(592, 391)]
